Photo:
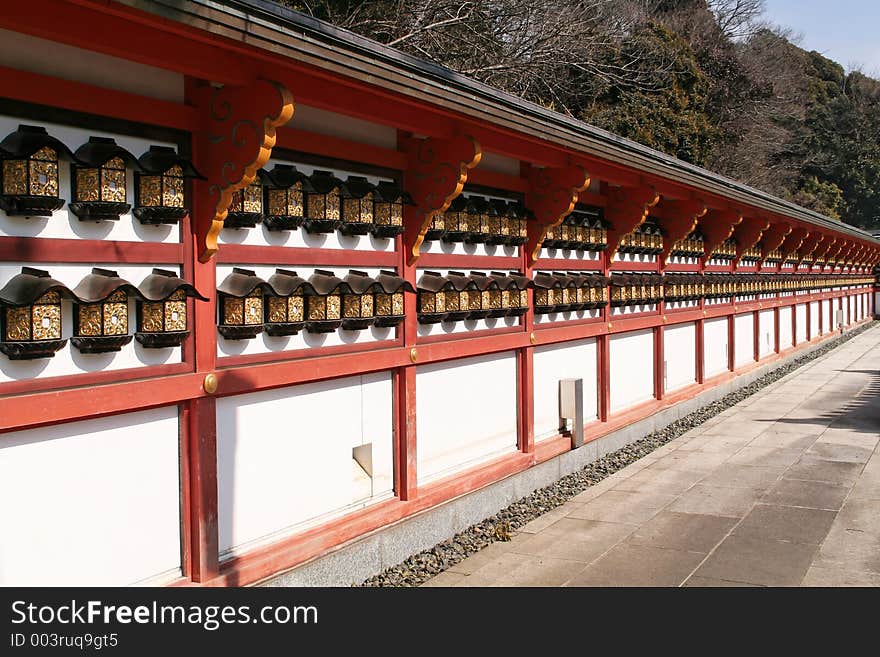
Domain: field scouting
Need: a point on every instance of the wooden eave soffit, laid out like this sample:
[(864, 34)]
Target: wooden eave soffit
[(627, 208), (678, 221), (551, 196)]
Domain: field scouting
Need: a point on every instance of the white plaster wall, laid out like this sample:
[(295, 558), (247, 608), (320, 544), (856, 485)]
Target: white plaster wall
[(827, 316), (549, 318), (265, 343), (680, 355), (64, 224), (800, 311), (635, 308), (69, 360), (91, 503), (814, 319), (568, 254), (37, 55), (500, 164), (785, 332), (632, 368), (325, 122), (744, 338), (766, 332), (284, 456), (466, 413), (715, 346), (846, 313), (573, 360)]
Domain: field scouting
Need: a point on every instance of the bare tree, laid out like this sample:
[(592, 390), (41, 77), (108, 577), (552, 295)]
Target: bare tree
[(738, 19)]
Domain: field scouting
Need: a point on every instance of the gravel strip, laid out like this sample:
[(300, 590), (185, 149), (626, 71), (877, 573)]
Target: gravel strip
[(421, 567)]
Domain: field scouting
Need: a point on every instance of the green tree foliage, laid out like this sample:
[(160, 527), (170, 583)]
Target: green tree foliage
[(702, 80)]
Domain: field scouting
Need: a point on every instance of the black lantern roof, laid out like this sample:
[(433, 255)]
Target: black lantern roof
[(434, 281), (391, 192), (286, 175), (242, 282), (100, 284), (458, 204), (25, 288), (162, 283), (484, 282), (512, 280), (590, 279), (389, 283), (286, 282), (357, 187), (546, 281), (359, 281), (27, 140), (324, 182), (683, 278), (461, 281), (97, 151), (480, 205), (326, 282), (159, 159)]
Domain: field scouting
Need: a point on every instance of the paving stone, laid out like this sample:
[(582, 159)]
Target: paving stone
[(487, 555), (670, 482), (849, 549), (786, 523), (715, 583), (758, 561), (547, 519), (637, 565), (683, 531), (813, 469), (766, 456), (744, 476), (575, 539), (817, 576), (524, 570), (810, 494), (860, 515), (777, 439), (623, 507), (836, 452), (444, 579), (716, 500)]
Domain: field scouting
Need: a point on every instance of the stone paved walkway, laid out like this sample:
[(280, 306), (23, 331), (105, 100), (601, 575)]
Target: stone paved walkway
[(782, 489)]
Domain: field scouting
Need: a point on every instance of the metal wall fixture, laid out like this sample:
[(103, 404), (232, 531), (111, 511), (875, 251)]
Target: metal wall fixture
[(726, 250), (635, 288), (480, 220), (99, 180), (682, 287), (389, 200), (584, 229), (30, 322), (690, 246), (647, 239), (160, 188), (459, 296), (100, 317), (285, 304), (246, 207), (240, 304), (323, 203), (162, 317), (357, 206), (284, 190), (29, 177)]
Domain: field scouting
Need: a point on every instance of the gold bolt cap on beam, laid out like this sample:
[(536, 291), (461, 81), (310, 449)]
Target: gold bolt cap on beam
[(532, 337), (210, 384), (413, 355)]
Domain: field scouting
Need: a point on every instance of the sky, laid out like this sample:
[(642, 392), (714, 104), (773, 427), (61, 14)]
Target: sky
[(842, 30)]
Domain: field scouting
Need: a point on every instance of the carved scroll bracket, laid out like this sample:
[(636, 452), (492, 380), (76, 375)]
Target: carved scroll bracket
[(235, 139), (821, 252), (748, 233), (793, 241), (552, 195), (716, 227), (678, 221), (436, 173), (772, 239), (626, 210), (835, 249), (808, 246)]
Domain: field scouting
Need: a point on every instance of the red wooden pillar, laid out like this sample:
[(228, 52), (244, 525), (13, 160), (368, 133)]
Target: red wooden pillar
[(659, 364), (776, 330), (700, 340), (809, 319), (603, 373), (525, 360), (756, 334), (731, 342), (793, 324)]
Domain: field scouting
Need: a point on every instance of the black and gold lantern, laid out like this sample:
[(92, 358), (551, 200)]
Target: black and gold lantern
[(548, 293), (286, 303), (482, 217), (357, 206), (580, 295), (620, 290), (29, 172), (323, 203), (30, 315), (514, 293), (324, 308), (100, 181), (358, 305), (100, 314), (566, 294), (160, 190), (388, 202), (598, 291), (246, 207), (501, 223), (388, 303), (465, 299), (455, 221), (432, 290), (490, 297), (284, 197), (162, 318), (240, 305), (518, 224)]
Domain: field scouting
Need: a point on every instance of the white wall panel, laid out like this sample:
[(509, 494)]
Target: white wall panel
[(58, 60), (69, 360), (800, 312), (632, 368), (466, 413), (827, 316), (284, 456), (680, 355), (91, 503), (573, 360), (766, 332), (744, 335), (785, 330), (325, 122), (814, 319), (715, 347)]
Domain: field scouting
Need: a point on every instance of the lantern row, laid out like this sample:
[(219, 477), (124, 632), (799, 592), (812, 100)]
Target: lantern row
[(459, 296), (584, 230), (646, 239), (478, 220), (569, 291), (286, 303), (286, 199), (29, 178), (31, 319)]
